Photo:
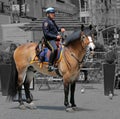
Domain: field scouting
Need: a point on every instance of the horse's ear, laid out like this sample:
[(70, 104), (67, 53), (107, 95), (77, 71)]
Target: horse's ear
[(90, 27), (82, 27)]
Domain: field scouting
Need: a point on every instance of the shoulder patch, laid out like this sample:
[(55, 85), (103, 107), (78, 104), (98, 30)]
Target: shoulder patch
[(46, 24)]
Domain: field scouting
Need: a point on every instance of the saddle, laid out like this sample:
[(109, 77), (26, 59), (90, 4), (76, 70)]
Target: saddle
[(43, 54)]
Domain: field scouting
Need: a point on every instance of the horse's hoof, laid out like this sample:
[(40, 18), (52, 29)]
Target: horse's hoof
[(76, 108), (32, 106), (22, 107), (69, 109)]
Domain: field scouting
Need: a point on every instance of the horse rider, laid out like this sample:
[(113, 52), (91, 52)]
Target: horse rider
[(51, 34)]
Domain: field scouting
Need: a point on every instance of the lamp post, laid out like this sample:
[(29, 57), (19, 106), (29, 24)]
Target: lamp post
[(85, 1), (10, 4), (80, 9), (20, 4)]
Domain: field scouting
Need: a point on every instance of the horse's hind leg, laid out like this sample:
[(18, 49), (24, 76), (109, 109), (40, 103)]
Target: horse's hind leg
[(21, 106), (28, 79), (27, 91)]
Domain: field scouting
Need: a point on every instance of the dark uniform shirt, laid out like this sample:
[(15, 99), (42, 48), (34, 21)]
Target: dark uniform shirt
[(50, 29)]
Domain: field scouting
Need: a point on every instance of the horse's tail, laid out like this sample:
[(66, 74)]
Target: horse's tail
[(12, 84)]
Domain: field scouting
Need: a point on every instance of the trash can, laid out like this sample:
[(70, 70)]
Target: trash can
[(109, 78), (5, 70)]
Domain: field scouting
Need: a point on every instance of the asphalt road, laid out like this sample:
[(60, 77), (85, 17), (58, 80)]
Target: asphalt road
[(92, 104)]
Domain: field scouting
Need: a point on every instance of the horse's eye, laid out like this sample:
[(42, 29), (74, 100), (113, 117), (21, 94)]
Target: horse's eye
[(83, 37)]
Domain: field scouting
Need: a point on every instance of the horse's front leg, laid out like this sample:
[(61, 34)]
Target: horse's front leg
[(66, 102), (72, 92), (66, 93), (72, 99)]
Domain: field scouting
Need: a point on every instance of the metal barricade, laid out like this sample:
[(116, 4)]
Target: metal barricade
[(43, 81), (94, 67)]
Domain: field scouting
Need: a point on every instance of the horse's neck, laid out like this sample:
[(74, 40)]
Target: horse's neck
[(77, 49)]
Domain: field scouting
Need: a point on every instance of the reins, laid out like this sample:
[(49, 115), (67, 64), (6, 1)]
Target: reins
[(79, 62), (83, 59)]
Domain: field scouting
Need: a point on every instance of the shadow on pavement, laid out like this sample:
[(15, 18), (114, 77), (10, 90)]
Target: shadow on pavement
[(60, 108)]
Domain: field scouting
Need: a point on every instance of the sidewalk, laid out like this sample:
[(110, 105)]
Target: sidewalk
[(93, 105)]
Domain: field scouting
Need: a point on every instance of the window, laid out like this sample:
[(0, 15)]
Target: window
[(84, 5), (83, 19), (60, 1), (20, 1)]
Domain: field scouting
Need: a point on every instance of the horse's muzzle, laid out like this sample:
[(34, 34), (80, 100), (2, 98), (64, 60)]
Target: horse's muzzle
[(92, 50), (91, 46)]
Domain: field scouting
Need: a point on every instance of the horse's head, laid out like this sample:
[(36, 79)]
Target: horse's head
[(87, 36)]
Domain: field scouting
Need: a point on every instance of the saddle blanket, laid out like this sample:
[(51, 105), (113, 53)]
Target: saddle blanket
[(45, 53)]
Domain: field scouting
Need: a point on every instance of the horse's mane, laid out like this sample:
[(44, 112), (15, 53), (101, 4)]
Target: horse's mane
[(72, 37)]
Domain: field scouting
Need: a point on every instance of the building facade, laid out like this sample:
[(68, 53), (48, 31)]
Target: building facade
[(97, 12), (105, 12), (36, 8), (20, 11)]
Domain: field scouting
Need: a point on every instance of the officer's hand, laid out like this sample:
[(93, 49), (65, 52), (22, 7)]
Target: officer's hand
[(59, 37), (62, 30)]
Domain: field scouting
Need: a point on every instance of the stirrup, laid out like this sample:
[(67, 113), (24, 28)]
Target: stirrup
[(51, 68)]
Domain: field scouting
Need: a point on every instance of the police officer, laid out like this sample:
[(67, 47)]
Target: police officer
[(51, 34)]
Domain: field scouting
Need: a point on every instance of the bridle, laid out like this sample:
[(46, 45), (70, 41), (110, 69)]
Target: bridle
[(87, 52)]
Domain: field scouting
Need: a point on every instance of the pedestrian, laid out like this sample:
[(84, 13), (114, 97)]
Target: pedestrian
[(51, 34)]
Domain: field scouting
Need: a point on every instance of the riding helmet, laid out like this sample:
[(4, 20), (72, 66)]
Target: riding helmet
[(50, 10)]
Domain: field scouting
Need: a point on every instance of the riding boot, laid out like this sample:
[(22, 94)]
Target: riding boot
[(51, 60), (55, 55), (41, 59)]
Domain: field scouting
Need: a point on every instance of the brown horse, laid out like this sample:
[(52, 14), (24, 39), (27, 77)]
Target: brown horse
[(69, 66)]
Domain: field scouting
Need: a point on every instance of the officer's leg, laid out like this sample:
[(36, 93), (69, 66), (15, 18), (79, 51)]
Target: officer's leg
[(49, 45), (53, 48), (41, 56), (55, 51)]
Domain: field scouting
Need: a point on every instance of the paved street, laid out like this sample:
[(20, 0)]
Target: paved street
[(93, 105)]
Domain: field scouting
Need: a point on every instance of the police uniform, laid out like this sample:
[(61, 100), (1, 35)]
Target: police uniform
[(50, 31)]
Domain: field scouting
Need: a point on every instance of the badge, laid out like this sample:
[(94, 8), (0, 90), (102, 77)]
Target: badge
[(45, 24)]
